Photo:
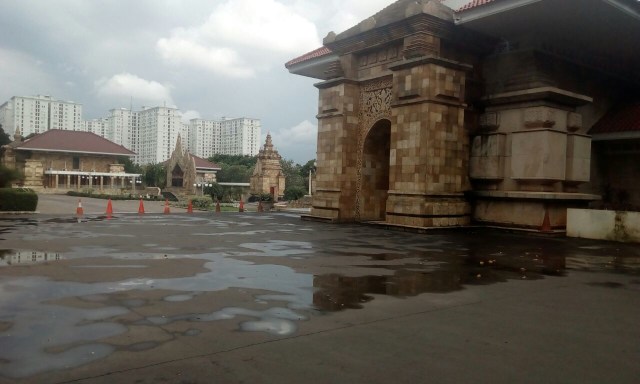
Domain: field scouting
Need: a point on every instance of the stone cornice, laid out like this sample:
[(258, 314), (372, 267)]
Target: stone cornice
[(391, 32), (431, 60)]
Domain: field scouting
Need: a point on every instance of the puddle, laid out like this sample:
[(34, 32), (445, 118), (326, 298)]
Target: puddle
[(40, 329), (26, 257)]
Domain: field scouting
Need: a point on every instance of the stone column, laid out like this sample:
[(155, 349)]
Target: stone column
[(429, 144), (337, 150)]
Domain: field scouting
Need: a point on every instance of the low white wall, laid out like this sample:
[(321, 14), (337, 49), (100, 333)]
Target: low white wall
[(603, 225)]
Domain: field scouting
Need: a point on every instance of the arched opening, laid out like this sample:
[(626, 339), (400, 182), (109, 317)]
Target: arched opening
[(375, 172), (177, 176)]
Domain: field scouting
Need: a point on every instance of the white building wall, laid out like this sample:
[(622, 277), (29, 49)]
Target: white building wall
[(158, 130), (37, 114), (151, 132), (204, 137), (7, 117), (65, 115), (96, 126), (240, 136)]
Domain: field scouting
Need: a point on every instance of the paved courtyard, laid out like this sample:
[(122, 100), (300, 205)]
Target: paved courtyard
[(268, 298)]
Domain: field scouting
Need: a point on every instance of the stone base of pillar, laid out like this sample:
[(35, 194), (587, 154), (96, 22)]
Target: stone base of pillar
[(326, 206), (427, 211), (538, 211)]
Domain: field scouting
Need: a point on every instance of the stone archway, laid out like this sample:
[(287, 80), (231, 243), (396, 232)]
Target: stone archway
[(375, 171), (177, 177)]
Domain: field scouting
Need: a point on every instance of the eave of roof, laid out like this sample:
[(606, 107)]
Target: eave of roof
[(316, 53), (473, 4), (56, 140), (205, 164), (621, 122)]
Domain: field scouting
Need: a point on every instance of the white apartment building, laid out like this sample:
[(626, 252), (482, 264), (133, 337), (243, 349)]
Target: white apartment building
[(228, 136), (97, 126), (121, 127), (240, 136), (36, 114), (158, 130), (151, 133), (204, 137)]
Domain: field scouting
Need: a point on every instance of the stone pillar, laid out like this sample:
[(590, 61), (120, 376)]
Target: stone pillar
[(337, 151), (33, 173), (429, 144), (527, 159)]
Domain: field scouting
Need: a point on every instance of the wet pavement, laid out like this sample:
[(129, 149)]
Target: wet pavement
[(270, 298)]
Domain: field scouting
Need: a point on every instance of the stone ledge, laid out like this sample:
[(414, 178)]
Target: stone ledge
[(535, 195)]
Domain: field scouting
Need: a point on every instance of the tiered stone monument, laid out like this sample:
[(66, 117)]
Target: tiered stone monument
[(267, 175), (425, 123), (181, 170)]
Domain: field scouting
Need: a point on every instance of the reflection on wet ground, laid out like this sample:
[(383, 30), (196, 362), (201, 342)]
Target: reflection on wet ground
[(100, 279)]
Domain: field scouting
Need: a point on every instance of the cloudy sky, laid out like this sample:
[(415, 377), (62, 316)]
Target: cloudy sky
[(209, 58)]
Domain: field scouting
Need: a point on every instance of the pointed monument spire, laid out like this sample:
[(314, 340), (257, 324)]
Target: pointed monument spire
[(268, 145), (17, 137)]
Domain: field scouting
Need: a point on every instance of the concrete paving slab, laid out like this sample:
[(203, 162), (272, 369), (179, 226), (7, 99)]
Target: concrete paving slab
[(269, 298)]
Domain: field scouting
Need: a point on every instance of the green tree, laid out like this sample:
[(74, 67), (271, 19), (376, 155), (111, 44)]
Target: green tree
[(308, 168), (247, 161), (130, 166), (234, 173), (295, 186), (294, 193), (8, 176), (154, 175), (292, 174), (4, 137), (216, 191)]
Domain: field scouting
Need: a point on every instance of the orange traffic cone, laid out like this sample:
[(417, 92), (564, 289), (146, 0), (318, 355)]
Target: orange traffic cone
[(218, 206), (166, 206), (260, 207), (109, 209), (79, 210), (241, 209), (190, 207), (546, 222), (141, 208)]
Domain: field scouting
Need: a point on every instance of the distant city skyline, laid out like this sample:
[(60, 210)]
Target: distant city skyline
[(150, 132), (211, 58)]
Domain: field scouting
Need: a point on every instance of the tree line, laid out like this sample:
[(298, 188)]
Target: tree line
[(234, 169)]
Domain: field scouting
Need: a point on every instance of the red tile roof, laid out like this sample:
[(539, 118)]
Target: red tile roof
[(473, 4), (56, 140), (322, 51), (623, 119), (202, 163)]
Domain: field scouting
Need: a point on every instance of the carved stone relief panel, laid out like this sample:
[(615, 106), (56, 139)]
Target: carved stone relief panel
[(375, 105)]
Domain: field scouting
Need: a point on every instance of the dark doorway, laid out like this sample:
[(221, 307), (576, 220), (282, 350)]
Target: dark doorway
[(375, 172), (177, 176)]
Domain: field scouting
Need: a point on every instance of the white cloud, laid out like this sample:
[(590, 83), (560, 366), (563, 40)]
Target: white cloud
[(177, 50), (126, 85), (188, 115), (261, 24), (240, 38), (23, 75), (298, 142)]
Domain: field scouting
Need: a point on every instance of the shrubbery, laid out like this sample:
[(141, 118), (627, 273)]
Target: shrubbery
[(18, 199), (294, 193), (260, 197), (112, 197), (202, 202)]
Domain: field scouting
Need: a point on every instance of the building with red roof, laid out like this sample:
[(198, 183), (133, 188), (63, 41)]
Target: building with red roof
[(187, 173), (433, 117), (65, 160)]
